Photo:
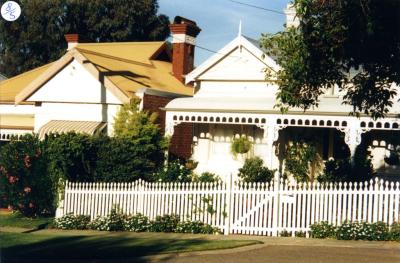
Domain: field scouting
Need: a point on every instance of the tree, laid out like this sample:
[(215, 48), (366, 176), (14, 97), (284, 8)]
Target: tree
[(138, 140), (354, 45), (37, 37)]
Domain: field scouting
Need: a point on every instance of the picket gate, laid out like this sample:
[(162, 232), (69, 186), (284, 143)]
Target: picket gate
[(241, 208)]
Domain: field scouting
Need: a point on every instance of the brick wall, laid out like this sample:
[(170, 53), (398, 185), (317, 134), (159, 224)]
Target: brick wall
[(181, 142)]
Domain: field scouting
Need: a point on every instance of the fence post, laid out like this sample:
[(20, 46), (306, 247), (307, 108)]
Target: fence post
[(61, 195), (140, 196), (229, 208), (275, 214)]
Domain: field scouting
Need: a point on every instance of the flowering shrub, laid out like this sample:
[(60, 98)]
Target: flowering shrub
[(195, 227), (71, 221), (115, 221), (395, 231), (137, 223), (322, 230), (165, 223), (363, 231), (24, 183)]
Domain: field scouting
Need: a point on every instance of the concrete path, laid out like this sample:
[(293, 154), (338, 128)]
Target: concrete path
[(293, 250)]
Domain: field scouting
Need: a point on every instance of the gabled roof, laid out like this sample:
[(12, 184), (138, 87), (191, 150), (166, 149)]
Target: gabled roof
[(124, 68), (9, 88), (251, 45)]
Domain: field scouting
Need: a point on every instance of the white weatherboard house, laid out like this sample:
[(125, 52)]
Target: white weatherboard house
[(232, 99)]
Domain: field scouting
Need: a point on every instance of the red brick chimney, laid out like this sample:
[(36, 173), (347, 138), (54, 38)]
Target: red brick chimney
[(72, 40), (184, 33)]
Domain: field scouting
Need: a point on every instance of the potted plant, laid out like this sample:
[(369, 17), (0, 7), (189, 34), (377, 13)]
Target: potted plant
[(240, 145)]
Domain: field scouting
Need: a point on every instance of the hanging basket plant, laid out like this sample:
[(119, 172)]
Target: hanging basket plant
[(240, 145)]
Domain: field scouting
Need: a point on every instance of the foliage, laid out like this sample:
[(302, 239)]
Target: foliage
[(322, 230), (395, 231), (121, 159), (114, 221), (165, 223), (117, 221), (175, 171), (240, 145), (84, 158), (206, 177), (301, 159), (24, 183), (137, 223), (37, 37), (378, 231), (285, 233), (71, 221), (300, 234), (353, 45), (342, 170), (195, 227), (72, 156), (254, 170)]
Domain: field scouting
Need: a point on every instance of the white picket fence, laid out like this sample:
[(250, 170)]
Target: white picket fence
[(241, 208)]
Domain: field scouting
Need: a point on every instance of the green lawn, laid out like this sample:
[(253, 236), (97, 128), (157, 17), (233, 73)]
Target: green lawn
[(17, 220), (36, 245), (127, 247)]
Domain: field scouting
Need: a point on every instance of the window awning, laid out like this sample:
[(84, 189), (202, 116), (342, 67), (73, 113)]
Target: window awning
[(60, 126)]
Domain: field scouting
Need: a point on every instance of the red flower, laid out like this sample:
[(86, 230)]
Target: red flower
[(12, 179), (27, 190), (27, 161), (31, 205)]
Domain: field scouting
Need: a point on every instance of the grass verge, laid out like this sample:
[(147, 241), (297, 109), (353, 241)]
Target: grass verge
[(17, 220), (122, 246)]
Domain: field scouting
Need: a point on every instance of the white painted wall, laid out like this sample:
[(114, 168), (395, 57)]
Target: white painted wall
[(74, 84), (17, 109)]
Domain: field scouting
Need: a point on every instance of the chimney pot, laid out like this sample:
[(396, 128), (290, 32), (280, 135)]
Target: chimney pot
[(72, 40)]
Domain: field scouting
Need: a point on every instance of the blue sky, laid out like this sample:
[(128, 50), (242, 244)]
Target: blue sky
[(219, 20)]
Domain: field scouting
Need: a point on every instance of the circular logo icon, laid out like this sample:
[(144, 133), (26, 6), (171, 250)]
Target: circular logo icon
[(10, 11)]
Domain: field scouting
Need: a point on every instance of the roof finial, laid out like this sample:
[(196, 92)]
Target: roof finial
[(240, 27)]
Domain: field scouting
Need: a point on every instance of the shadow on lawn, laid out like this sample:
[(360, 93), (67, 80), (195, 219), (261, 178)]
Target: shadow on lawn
[(94, 249)]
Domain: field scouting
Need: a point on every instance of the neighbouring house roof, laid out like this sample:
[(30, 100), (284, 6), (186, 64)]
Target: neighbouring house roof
[(124, 68), (62, 126), (9, 88)]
